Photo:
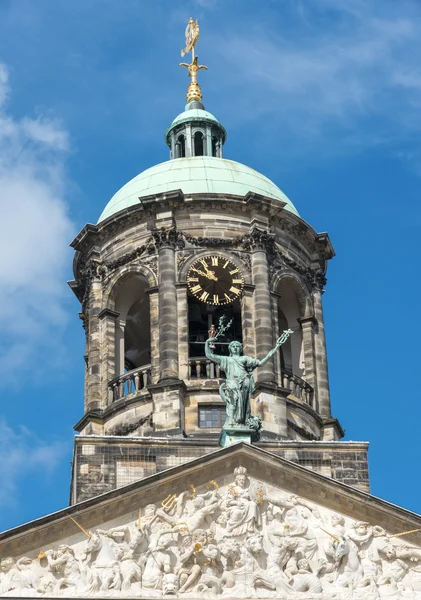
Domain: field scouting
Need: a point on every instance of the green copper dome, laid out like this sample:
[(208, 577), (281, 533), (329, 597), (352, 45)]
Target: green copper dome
[(193, 114), (195, 175)]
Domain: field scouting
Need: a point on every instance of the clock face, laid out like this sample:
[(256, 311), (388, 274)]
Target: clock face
[(215, 280)]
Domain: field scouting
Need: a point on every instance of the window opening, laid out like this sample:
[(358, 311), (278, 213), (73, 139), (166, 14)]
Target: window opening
[(198, 143), (212, 416), (181, 146)]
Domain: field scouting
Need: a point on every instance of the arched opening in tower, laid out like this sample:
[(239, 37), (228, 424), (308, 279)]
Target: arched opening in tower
[(214, 146), (201, 318), (133, 332), (198, 143), (180, 147), (289, 310), (137, 335)]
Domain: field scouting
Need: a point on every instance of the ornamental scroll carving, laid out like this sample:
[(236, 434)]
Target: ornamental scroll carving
[(242, 539)]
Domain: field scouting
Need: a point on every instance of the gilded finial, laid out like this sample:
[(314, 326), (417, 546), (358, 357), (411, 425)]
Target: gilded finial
[(194, 93)]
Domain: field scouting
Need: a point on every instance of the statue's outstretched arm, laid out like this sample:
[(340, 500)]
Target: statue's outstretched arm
[(281, 340), (209, 354)]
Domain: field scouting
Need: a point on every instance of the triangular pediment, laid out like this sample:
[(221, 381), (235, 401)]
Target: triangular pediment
[(240, 522)]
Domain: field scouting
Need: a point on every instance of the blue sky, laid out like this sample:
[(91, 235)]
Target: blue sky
[(322, 96)]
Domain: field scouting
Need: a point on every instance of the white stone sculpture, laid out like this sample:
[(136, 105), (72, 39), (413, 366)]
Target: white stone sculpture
[(234, 539)]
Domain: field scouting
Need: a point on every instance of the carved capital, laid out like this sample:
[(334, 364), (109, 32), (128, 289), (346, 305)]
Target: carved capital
[(258, 239), (168, 238)]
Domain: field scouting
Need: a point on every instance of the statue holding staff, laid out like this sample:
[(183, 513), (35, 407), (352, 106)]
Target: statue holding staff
[(237, 389)]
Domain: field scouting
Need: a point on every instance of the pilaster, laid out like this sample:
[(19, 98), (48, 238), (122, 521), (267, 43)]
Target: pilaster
[(321, 357), (271, 405), (108, 320), (168, 407), (154, 321), (182, 330), (308, 325), (94, 400)]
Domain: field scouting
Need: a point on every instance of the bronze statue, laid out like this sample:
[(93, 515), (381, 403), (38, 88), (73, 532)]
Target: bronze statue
[(237, 389)]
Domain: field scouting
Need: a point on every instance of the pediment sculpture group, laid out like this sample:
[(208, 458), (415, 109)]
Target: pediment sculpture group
[(244, 539)]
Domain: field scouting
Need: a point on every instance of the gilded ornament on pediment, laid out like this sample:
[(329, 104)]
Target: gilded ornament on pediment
[(169, 502), (193, 491), (87, 533), (212, 483)]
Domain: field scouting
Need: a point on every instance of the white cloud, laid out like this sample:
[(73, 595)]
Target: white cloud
[(47, 132), (34, 233), (22, 453)]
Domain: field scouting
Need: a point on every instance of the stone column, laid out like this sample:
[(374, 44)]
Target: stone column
[(189, 141), (172, 151), (321, 357), (208, 141), (262, 311), (168, 326), (108, 320), (93, 399), (308, 326)]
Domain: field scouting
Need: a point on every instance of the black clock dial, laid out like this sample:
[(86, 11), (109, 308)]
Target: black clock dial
[(215, 280)]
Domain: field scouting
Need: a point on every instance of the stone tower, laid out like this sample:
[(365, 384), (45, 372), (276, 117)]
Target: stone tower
[(148, 302), (158, 510)]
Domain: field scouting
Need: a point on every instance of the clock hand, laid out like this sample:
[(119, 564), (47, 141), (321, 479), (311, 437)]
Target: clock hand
[(211, 274), (208, 274), (199, 272)]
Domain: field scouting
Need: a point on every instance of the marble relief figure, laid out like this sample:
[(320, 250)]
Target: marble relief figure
[(238, 538)]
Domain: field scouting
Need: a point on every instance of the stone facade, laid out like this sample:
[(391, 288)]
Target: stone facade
[(143, 255), (103, 463), (238, 523)]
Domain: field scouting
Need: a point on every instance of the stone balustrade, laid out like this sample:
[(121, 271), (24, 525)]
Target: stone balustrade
[(298, 387), (202, 368), (129, 383)]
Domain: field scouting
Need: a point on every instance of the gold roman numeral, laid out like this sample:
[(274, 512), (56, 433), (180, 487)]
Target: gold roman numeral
[(204, 263), (234, 271), (240, 281), (191, 279), (228, 297), (235, 290), (214, 261), (225, 265), (215, 299), (204, 296), (196, 289)]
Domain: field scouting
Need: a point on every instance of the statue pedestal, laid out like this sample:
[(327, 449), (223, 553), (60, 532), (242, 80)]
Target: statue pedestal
[(234, 435)]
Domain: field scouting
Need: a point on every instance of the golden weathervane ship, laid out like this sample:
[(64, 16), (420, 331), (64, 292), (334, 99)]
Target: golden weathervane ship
[(194, 93)]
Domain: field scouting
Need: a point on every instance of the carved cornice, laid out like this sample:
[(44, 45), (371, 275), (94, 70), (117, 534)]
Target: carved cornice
[(314, 278), (255, 239)]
